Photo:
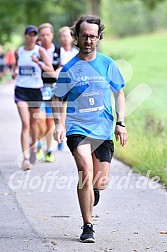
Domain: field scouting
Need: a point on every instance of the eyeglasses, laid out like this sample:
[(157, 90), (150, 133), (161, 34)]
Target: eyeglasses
[(86, 36)]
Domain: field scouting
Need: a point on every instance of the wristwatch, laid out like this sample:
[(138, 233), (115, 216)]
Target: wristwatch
[(120, 123)]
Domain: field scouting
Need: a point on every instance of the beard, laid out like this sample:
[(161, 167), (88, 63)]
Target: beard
[(87, 48)]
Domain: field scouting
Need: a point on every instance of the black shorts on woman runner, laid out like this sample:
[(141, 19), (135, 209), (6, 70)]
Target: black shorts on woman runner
[(33, 96)]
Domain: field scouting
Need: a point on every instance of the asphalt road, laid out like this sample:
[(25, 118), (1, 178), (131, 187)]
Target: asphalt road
[(39, 210)]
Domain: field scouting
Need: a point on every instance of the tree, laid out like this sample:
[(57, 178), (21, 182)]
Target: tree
[(93, 7), (15, 15)]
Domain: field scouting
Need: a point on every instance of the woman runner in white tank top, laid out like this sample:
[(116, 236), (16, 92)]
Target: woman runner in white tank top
[(28, 97)]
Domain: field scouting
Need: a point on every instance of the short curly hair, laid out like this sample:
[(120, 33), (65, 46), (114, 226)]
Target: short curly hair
[(75, 29)]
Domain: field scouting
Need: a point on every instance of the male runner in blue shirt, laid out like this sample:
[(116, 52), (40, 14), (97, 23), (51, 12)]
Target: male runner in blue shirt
[(86, 82)]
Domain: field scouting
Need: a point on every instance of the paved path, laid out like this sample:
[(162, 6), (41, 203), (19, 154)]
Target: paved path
[(39, 214)]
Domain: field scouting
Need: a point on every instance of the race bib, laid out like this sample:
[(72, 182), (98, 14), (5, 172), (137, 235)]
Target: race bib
[(90, 102), (47, 93), (27, 70)]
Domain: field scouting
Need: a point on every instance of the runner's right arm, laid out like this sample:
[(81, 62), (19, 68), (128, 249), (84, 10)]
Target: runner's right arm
[(15, 67), (59, 119), (45, 63)]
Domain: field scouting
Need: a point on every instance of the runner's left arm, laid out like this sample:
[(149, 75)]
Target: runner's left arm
[(120, 132)]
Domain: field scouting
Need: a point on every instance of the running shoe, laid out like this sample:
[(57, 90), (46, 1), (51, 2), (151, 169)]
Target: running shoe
[(33, 155), (40, 153), (49, 157), (25, 164), (96, 196), (87, 234), (60, 146)]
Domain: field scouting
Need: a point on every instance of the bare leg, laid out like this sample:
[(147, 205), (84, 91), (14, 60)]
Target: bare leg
[(25, 118), (84, 164), (34, 133), (49, 133), (100, 173), (33, 124), (41, 125)]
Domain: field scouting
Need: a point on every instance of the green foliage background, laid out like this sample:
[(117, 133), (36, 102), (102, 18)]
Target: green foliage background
[(146, 148), (125, 18), (15, 15), (121, 17)]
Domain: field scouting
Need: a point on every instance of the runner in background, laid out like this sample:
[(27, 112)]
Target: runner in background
[(46, 34), (28, 96), (67, 52), (1, 62), (10, 59)]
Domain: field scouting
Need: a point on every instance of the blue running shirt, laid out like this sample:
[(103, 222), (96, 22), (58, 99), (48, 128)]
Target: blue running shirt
[(87, 86)]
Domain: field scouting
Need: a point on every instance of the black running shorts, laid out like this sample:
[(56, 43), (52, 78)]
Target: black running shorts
[(103, 149), (33, 96)]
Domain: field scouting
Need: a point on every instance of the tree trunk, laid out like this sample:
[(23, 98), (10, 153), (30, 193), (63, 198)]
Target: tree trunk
[(93, 7)]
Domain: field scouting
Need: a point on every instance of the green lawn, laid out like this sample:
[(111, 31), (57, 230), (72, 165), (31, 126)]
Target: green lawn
[(147, 145)]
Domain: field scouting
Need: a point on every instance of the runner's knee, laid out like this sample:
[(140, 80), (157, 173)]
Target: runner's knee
[(101, 183), (85, 178), (26, 125)]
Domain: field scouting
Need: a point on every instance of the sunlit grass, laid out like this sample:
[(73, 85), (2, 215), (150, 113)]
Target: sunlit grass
[(147, 145)]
